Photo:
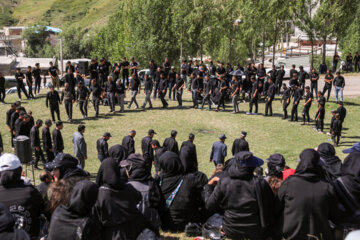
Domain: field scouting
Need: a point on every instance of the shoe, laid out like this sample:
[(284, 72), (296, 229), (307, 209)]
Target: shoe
[(248, 113), (321, 132), (142, 106), (255, 114), (208, 109), (233, 112), (266, 115), (136, 107), (129, 106), (315, 128), (302, 124), (150, 107), (307, 123)]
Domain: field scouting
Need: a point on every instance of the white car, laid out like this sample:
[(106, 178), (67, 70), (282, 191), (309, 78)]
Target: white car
[(14, 90), (287, 70)]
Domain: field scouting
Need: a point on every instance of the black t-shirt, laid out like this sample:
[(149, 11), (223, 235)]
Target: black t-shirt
[(53, 71), (189, 69), (236, 85), (123, 65), (37, 73), (29, 77), (307, 97), (102, 69), (329, 77), (134, 64), (120, 88), (19, 78), (93, 70), (183, 68), (2, 83), (179, 82), (221, 70), (71, 68), (172, 77), (148, 85), (135, 83), (166, 67), (96, 90)]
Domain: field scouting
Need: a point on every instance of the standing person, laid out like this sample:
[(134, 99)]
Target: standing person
[(166, 67), (70, 79), (120, 94), (53, 99), (189, 71), (19, 76), (222, 91), (80, 149), (158, 152), (135, 87), (307, 186), (349, 63), (235, 88), (188, 155), (53, 72), (116, 71), (68, 97), (294, 80), (336, 130), (37, 76), (329, 78), (207, 92), (297, 98), (147, 150), (148, 86), (293, 71), (82, 97), (357, 62), (102, 68), (70, 67), (183, 69), (178, 89), (134, 66), (170, 143), (125, 71), (272, 73), (270, 95), (156, 80), (57, 138), (195, 88), (110, 89), (303, 75), (172, 80), (339, 84), (219, 151), (102, 146), (2, 89), (128, 142), (240, 144), (8, 121), (320, 114), (336, 58), (314, 77), (152, 68), (162, 90), (307, 105), (254, 96), (279, 79), (29, 82), (35, 143), (96, 91), (47, 142), (93, 70), (342, 111)]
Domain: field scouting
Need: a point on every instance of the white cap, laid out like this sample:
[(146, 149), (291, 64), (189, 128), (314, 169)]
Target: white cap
[(9, 162), (354, 235)]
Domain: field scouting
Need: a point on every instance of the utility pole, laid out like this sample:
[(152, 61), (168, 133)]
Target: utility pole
[(61, 57)]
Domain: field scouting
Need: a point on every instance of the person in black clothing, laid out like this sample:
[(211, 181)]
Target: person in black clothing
[(53, 72), (247, 201), (195, 88), (96, 91), (336, 58), (303, 75), (272, 74), (125, 71), (255, 92), (134, 66), (320, 113), (17, 123), (170, 144), (29, 81), (357, 62), (116, 72), (342, 111), (82, 97), (128, 142), (178, 89), (135, 87), (339, 84), (23, 200), (189, 71), (270, 95), (156, 80), (110, 89), (19, 76), (158, 152), (68, 97), (102, 71), (147, 151), (235, 91), (240, 144), (2, 88), (93, 70), (308, 185), (47, 142), (24, 126), (172, 81), (8, 230), (120, 94), (148, 86), (279, 79), (103, 147), (37, 76), (207, 93), (70, 79), (222, 91), (70, 67), (36, 144), (336, 130), (349, 63), (293, 71), (57, 138), (8, 120), (314, 77), (330, 162), (152, 67), (163, 85), (188, 155), (53, 99), (329, 78), (307, 105), (294, 80), (297, 98), (333, 113), (75, 220), (166, 67)]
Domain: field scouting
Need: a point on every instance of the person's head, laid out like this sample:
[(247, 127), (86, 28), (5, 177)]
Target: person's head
[(337, 116), (320, 94), (269, 80), (80, 84), (52, 88), (177, 76), (207, 77), (45, 177), (340, 104), (301, 68), (51, 64), (253, 79), (68, 63), (307, 89), (146, 77), (18, 70), (260, 84), (93, 82), (338, 74), (64, 166), (107, 136), (173, 133), (349, 54), (243, 134), (276, 164), (282, 67), (81, 128), (309, 163), (29, 68), (109, 79), (39, 123), (293, 66), (10, 169), (191, 137), (334, 112), (48, 123), (313, 70), (222, 137), (158, 69), (37, 65), (59, 125), (66, 85), (26, 118), (132, 133), (132, 59), (295, 76), (13, 106), (261, 66), (162, 75), (166, 60), (133, 76), (151, 133), (69, 71), (155, 144), (328, 72), (284, 86), (234, 79), (124, 59)]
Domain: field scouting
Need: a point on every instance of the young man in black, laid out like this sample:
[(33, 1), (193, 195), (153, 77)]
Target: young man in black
[(96, 91), (279, 79), (178, 89), (47, 142), (314, 77), (29, 81), (128, 142), (336, 130), (297, 97), (110, 89), (93, 70), (82, 97), (53, 99), (148, 86), (19, 76), (235, 91), (183, 68), (102, 71), (156, 81), (152, 68), (125, 71), (35, 143), (70, 79), (335, 61), (162, 90), (303, 75), (270, 95), (172, 80), (342, 111), (320, 114), (207, 92), (254, 96), (285, 99), (147, 150), (357, 62), (37, 77), (120, 94), (189, 71), (195, 88), (102, 146), (307, 105), (222, 92), (166, 67), (293, 71), (349, 63), (53, 72), (68, 97), (58, 139), (134, 66), (2, 89), (135, 87), (329, 78)]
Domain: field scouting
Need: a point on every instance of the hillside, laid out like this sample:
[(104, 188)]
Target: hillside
[(86, 13)]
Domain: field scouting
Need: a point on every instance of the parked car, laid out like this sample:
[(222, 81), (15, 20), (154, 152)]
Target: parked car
[(14, 90), (10, 82)]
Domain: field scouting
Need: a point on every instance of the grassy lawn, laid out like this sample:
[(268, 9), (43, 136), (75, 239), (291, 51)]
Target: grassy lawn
[(265, 135)]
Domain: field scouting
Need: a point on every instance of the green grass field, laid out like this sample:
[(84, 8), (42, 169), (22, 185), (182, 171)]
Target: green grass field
[(265, 135)]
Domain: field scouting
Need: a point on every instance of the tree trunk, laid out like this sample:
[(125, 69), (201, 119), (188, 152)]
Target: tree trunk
[(181, 47), (274, 43), (263, 47), (251, 53), (312, 52), (324, 51), (230, 57)]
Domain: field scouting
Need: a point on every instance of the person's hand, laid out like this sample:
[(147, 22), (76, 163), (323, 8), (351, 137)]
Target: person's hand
[(60, 103), (139, 92), (73, 101), (163, 91), (87, 98), (85, 157), (214, 181), (51, 150), (37, 149), (296, 103), (304, 104)]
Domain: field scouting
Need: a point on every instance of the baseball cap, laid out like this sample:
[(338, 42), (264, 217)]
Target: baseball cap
[(9, 162), (277, 159), (247, 159), (222, 136), (243, 133), (354, 148), (151, 131), (107, 134)]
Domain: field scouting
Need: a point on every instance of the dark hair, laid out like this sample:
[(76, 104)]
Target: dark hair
[(59, 123), (44, 177), (191, 136), (307, 87), (37, 64), (47, 122), (341, 103), (155, 143), (39, 121), (81, 127)]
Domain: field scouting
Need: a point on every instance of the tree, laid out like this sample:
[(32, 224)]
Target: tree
[(37, 44)]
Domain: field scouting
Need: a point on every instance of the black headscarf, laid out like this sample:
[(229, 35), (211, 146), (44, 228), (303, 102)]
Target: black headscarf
[(83, 197), (188, 159), (275, 168), (118, 152), (350, 171), (309, 166), (332, 164), (10, 178), (68, 166), (137, 170), (109, 175), (171, 171), (235, 168)]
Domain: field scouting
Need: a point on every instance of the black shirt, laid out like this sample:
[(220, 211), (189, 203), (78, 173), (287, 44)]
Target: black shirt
[(339, 82), (19, 78), (46, 138), (93, 70), (157, 76), (303, 76), (120, 89), (135, 83), (189, 69), (307, 97), (110, 87), (195, 84), (166, 67), (37, 73), (146, 148), (163, 84), (52, 98), (221, 70), (179, 82), (297, 95), (82, 93), (183, 69), (123, 65), (152, 68), (29, 79), (329, 77), (280, 75), (71, 67), (271, 91), (236, 85), (58, 141), (69, 78), (53, 71), (148, 84), (102, 147), (172, 77), (34, 137), (292, 72), (253, 89), (286, 94), (134, 64), (96, 91), (2, 83), (314, 75), (129, 144)]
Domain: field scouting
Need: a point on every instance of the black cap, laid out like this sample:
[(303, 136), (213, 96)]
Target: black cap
[(277, 159), (151, 131), (107, 134), (243, 133)]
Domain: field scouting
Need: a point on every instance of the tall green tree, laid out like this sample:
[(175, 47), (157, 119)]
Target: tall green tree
[(37, 42)]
